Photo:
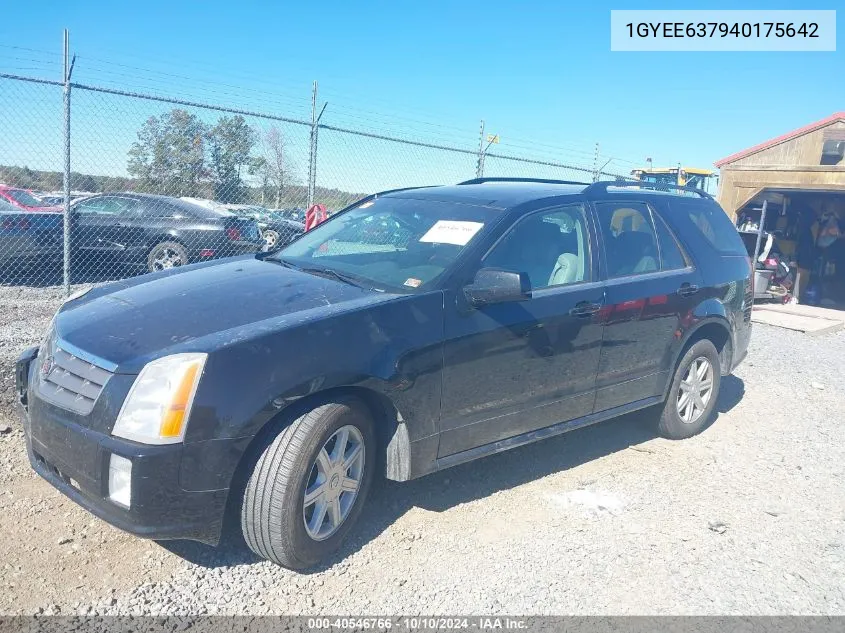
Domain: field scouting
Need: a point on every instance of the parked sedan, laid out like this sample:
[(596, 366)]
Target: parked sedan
[(155, 232), (27, 239), (24, 200)]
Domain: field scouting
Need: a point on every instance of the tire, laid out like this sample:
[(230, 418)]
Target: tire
[(165, 255), (684, 418), (271, 238), (273, 510)]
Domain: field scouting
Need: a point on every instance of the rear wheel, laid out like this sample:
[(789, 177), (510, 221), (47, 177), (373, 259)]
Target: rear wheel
[(166, 255), (309, 485), (692, 396)]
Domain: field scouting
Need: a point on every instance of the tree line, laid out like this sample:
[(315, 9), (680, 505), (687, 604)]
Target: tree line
[(178, 154)]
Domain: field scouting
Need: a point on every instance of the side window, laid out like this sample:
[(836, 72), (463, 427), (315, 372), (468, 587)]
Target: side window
[(629, 238), (552, 247), (712, 223), (125, 205), (671, 255), (100, 206)]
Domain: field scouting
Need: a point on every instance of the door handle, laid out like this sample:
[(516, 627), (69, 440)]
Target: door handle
[(585, 309), (687, 289)]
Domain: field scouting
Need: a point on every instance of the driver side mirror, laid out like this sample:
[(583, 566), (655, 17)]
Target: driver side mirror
[(492, 285)]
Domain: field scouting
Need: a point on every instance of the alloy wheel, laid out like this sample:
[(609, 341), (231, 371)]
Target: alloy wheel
[(166, 258), (271, 238), (333, 483), (695, 390)]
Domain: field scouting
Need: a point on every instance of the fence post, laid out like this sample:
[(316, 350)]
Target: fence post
[(312, 153), (479, 167), (68, 68)]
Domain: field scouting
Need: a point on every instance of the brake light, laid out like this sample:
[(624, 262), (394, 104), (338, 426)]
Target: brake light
[(207, 252), (233, 234)]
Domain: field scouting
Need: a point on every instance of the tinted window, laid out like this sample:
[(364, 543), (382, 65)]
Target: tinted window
[(552, 247), (671, 254), (101, 206), (394, 242), (629, 238), (712, 223)]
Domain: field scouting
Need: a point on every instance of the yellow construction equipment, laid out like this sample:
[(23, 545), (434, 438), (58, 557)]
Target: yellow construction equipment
[(683, 176)]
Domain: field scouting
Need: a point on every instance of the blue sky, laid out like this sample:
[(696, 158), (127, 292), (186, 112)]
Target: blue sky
[(541, 74)]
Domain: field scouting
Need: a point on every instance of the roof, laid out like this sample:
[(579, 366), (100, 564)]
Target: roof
[(501, 195), (801, 131)]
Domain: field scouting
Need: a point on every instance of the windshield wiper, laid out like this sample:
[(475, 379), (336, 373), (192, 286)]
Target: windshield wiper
[(352, 280)]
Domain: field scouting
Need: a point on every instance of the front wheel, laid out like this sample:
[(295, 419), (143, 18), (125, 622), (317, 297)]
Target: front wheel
[(309, 485), (692, 396), (271, 238)]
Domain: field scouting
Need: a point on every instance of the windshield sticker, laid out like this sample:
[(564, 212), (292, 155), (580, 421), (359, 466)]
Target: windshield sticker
[(413, 283), (452, 232), (367, 204)]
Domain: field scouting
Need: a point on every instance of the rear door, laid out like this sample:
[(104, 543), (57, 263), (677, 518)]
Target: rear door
[(650, 293), (511, 368)]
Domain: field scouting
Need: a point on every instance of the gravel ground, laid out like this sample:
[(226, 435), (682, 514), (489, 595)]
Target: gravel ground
[(746, 518)]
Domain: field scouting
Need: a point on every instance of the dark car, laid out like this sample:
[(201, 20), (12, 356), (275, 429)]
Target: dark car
[(28, 239), (276, 229), (155, 232), (499, 313)]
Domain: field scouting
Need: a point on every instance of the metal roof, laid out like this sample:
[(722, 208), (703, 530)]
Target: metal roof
[(801, 131)]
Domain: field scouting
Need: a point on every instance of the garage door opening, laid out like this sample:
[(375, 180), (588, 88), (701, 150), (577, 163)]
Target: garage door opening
[(806, 229)]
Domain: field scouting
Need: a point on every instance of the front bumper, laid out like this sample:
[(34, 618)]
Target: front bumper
[(75, 460)]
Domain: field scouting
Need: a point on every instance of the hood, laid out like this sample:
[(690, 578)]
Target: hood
[(200, 308)]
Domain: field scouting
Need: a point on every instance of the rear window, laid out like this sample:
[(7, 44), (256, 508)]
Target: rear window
[(713, 224)]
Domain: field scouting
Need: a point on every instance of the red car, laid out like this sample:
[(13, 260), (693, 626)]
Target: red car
[(24, 200)]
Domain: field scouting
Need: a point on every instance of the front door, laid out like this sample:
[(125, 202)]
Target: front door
[(100, 233), (651, 290), (511, 368)]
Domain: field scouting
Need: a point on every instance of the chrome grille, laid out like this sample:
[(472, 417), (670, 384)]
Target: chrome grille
[(71, 382)]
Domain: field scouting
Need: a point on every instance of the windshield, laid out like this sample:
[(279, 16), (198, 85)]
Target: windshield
[(394, 243), (22, 197)]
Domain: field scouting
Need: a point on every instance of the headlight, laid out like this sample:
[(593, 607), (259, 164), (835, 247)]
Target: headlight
[(157, 408)]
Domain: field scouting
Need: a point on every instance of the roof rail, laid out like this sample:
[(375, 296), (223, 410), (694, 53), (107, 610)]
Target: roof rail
[(601, 187), (479, 181)]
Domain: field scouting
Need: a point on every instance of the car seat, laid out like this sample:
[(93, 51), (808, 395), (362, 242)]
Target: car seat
[(632, 252)]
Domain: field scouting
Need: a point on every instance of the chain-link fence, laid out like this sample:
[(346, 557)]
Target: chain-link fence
[(99, 184)]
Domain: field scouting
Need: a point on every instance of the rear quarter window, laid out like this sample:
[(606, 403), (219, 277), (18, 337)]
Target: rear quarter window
[(710, 222)]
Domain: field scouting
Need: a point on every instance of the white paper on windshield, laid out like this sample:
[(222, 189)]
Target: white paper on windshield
[(452, 232)]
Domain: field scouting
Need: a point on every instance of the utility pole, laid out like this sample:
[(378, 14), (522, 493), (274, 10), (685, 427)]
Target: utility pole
[(596, 164), (482, 150), (315, 127), (67, 71), (479, 166)]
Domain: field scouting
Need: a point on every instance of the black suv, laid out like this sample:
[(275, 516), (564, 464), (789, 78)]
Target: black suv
[(415, 330)]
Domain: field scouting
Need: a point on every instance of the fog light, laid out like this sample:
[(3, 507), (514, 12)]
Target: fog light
[(120, 480)]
